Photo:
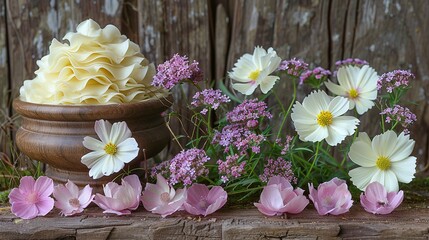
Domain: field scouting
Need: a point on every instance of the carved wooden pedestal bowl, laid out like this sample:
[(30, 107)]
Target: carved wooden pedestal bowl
[(53, 134)]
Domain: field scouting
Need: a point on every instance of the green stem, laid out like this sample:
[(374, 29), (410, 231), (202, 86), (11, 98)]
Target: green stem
[(245, 190), (314, 161), (286, 114)]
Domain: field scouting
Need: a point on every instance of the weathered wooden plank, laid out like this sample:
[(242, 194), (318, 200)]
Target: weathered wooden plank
[(169, 27), (29, 36), (4, 79), (409, 221)]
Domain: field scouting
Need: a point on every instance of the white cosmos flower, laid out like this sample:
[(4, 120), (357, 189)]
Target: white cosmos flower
[(251, 71), (109, 155), (385, 160), (359, 85), (319, 117)]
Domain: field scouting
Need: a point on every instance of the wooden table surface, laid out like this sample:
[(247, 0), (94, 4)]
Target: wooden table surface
[(409, 221)]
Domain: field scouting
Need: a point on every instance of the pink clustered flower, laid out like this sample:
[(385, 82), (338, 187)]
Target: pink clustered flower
[(249, 112), (318, 73), (403, 115), (238, 136), (239, 133), (279, 197), (184, 168), (293, 67), (284, 145), (331, 197), (278, 167), (231, 168), (351, 61), (377, 200), (32, 197), (202, 201), (177, 70), (209, 98), (395, 79)]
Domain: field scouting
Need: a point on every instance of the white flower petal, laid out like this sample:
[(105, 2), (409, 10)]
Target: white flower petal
[(90, 159), (245, 88), (305, 129), (335, 136), (96, 170), (370, 95), (302, 115), (119, 133), (405, 169), (335, 89), (361, 176), (367, 78), (118, 163), (385, 143), (363, 105), (103, 128), (318, 135), (268, 83), (108, 165), (345, 77), (92, 143), (338, 106), (126, 157), (404, 147), (316, 101), (362, 154), (387, 179), (347, 123)]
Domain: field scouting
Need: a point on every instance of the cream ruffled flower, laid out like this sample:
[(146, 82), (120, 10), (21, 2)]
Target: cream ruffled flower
[(359, 85), (319, 117), (109, 155), (386, 160), (251, 71), (94, 66)]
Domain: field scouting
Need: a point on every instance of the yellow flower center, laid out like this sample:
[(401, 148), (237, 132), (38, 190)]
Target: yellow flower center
[(353, 94), (324, 118), (383, 163), (254, 74), (111, 149)]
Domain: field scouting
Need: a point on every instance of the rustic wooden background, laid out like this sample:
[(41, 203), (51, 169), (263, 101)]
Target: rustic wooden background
[(390, 34)]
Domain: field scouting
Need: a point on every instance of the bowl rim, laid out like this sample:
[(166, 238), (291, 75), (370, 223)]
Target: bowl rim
[(84, 112)]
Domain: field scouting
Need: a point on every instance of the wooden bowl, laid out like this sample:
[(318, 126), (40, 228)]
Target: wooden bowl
[(53, 134)]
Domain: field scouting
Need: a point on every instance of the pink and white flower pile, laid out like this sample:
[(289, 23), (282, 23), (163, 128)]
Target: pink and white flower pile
[(240, 153)]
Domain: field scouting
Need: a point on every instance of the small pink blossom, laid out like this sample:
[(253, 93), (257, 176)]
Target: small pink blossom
[(162, 199), (278, 167), (120, 199), (231, 168), (70, 199), (279, 197), (184, 168), (331, 197), (175, 71), (32, 198), (293, 67), (201, 201), (377, 200)]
